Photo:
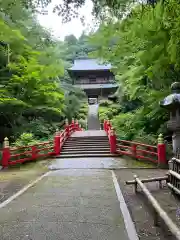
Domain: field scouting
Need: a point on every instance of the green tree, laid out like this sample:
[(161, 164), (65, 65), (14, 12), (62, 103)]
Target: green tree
[(144, 50)]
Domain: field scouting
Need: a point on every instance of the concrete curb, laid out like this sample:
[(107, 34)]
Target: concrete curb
[(24, 189), (130, 227), (113, 169)]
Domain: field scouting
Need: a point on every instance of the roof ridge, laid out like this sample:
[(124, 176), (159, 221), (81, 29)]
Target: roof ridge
[(89, 64)]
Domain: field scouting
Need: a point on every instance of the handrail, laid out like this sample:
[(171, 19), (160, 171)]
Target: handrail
[(155, 154), (159, 212), (138, 143), (43, 149), (29, 146)]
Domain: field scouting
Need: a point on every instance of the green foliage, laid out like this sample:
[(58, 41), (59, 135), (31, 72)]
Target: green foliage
[(103, 113), (40, 128), (69, 9), (105, 103), (33, 98), (144, 51), (82, 114), (123, 125), (84, 109), (73, 102), (77, 48), (83, 123), (26, 139), (108, 110)]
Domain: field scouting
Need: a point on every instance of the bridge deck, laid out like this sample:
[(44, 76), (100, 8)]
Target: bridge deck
[(66, 205), (89, 133)]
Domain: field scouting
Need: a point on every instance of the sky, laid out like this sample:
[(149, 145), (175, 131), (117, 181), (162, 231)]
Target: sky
[(54, 22)]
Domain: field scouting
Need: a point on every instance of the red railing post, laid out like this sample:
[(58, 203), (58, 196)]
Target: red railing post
[(161, 151), (105, 125), (76, 125), (34, 152), (108, 125), (6, 153), (57, 143), (112, 140), (60, 136), (80, 127), (67, 128), (73, 123), (134, 150)]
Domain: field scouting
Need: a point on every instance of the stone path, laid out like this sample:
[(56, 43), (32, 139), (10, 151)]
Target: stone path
[(93, 120), (66, 205)]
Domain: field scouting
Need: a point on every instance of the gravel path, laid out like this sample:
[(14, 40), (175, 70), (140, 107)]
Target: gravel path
[(139, 208)]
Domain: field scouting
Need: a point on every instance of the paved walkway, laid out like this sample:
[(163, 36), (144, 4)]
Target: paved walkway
[(93, 120), (66, 205), (90, 163)]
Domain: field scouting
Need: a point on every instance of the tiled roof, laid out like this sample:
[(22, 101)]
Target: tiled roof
[(89, 64)]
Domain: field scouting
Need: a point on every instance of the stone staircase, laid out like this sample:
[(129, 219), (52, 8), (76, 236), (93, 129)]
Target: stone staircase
[(86, 146)]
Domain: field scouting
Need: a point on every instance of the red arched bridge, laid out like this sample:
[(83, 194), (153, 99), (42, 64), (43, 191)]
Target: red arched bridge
[(75, 142)]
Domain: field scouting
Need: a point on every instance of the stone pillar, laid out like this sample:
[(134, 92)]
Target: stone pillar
[(176, 142), (172, 104)]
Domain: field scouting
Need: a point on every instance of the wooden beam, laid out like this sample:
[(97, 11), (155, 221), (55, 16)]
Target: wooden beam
[(175, 189), (158, 211), (176, 160), (175, 174), (146, 180)]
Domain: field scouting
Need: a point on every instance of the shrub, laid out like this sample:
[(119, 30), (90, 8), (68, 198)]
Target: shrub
[(83, 123), (83, 112), (109, 112), (131, 126), (26, 139), (103, 113), (123, 125), (82, 116), (105, 103)]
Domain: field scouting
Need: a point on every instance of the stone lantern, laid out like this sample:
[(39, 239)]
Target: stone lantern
[(172, 104)]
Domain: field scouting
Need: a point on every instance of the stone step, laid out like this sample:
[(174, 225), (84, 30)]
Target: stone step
[(86, 148), (85, 151), (86, 145), (88, 140), (84, 155), (89, 137)]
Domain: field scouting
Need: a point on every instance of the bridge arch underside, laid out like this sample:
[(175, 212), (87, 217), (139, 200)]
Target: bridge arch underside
[(99, 92)]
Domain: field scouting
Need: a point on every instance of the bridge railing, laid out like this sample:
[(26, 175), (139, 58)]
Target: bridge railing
[(16, 155), (155, 154), (137, 150)]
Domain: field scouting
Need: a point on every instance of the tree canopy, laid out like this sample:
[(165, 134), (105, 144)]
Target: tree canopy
[(69, 9), (141, 40), (144, 51), (33, 94)]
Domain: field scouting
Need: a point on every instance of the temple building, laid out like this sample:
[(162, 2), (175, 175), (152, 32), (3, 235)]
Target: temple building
[(94, 78)]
